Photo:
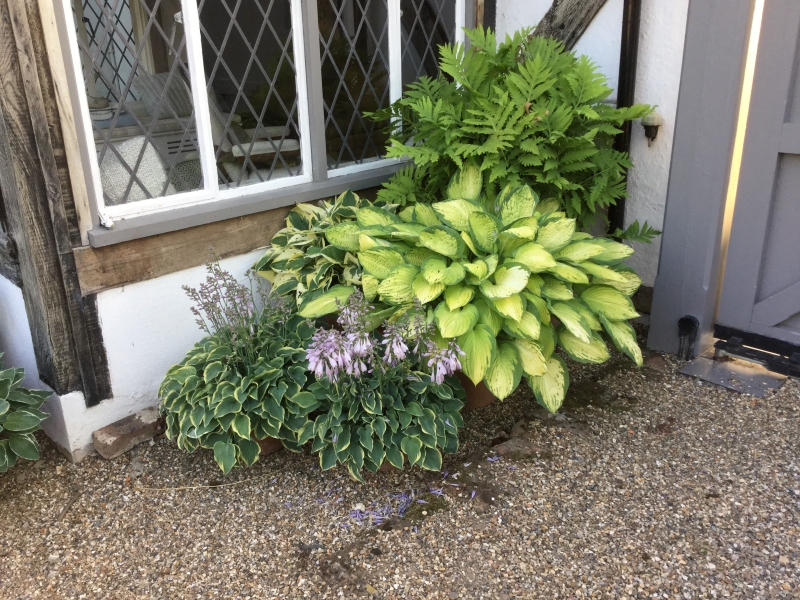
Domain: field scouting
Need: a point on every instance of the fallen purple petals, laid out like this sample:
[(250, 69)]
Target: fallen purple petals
[(493, 458), (473, 495)]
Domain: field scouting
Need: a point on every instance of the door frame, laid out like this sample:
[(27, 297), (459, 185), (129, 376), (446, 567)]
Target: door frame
[(696, 223)]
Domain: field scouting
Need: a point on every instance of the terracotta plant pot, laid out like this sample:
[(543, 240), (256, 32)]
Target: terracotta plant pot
[(269, 446), (478, 396)]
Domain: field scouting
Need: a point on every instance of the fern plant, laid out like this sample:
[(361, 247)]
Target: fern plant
[(526, 111)]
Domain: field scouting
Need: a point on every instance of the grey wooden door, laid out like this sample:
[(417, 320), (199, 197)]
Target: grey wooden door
[(761, 287)]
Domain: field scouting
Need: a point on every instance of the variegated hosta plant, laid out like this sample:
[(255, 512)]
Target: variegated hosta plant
[(510, 282), (300, 262)]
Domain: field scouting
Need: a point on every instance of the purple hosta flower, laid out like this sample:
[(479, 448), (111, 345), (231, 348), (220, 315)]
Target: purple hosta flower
[(327, 354), (395, 346), (493, 458), (443, 361), (473, 494)]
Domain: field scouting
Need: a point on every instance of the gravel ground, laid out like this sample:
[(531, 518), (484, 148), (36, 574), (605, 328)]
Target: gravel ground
[(649, 485)]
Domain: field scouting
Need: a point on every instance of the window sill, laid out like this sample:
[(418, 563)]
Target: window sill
[(133, 228)]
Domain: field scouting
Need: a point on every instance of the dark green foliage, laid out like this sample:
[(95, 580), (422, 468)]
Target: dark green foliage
[(384, 416), (20, 417), (214, 400), (526, 111)]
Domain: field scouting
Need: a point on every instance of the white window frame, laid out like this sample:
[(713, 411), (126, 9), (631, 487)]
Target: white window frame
[(112, 224)]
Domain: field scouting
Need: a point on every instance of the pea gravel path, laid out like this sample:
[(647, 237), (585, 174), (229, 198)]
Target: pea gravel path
[(649, 485)]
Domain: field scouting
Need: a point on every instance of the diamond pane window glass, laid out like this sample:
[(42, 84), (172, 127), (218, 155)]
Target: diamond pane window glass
[(252, 89), (133, 56), (425, 25), (354, 48)]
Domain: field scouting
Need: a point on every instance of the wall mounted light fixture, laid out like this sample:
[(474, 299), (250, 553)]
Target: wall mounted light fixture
[(651, 122)]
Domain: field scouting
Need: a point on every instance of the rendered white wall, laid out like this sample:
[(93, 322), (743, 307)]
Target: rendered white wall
[(661, 36), (15, 334)]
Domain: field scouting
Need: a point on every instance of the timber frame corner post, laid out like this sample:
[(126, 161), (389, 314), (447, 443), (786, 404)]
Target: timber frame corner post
[(688, 281), (40, 212)]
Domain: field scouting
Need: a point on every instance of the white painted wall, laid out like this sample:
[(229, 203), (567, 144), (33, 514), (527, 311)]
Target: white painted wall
[(661, 36), (15, 334)]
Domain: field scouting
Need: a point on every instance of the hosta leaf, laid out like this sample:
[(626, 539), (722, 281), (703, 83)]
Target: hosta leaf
[(326, 303), (407, 231), (453, 323), (327, 458), (531, 356), (397, 288), (535, 257), (548, 206), (444, 240), (547, 340), (568, 273), (527, 327), (525, 228), (249, 451), (425, 215), (613, 252), (478, 269), (467, 182), (371, 216), (602, 272), (379, 262), (608, 302), (624, 338), (367, 242), (426, 292), (516, 204), (535, 284), (431, 460), (556, 234), (511, 308), (369, 285), (458, 295), (225, 455), (417, 256), (538, 307), (487, 316), (555, 289), (484, 230), (509, 279), (344, 235), (454, 274), (394, 456), (212, 371), (433, 269), (470, 243), (456, 213), (24, 445), (572, 320), (412, 447), (479, 346), (21, 419), (594, 352), (629, 287), (503, 375), (407, 214), (550, 389), (578, 251)]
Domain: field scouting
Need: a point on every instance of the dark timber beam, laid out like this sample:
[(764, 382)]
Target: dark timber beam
[(566, 20), (40, 212)]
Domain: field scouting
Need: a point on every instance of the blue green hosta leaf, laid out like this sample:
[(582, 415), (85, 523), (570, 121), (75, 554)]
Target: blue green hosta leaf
[(369, 286), (225, 455), (511, 308), (484, 230), (249, 451), (487, 316), (531, 356), (456, 213), (24, 445), (572, 320), (433, 269), (454, 274), (397, 288), (594, 352), (509, 279), (555, 289), (550, 389), (629, 287), (344, 235), (412, 447), (394, 456), (431, 460), (4, 405), (379, 262), (327, 303), (425, 215), (602, 272), (624, 338), (458, 295), (417, 256), (516, 204), (608, 302), (426, 292), (579, 251), (535, 257), (453, 323), (527, 327), (371, 216), (556, 234), (503, 375), (479, 346), (21, 419), (441, 239), (212, 371), (467, 182), (568, 273), (613, 252)]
